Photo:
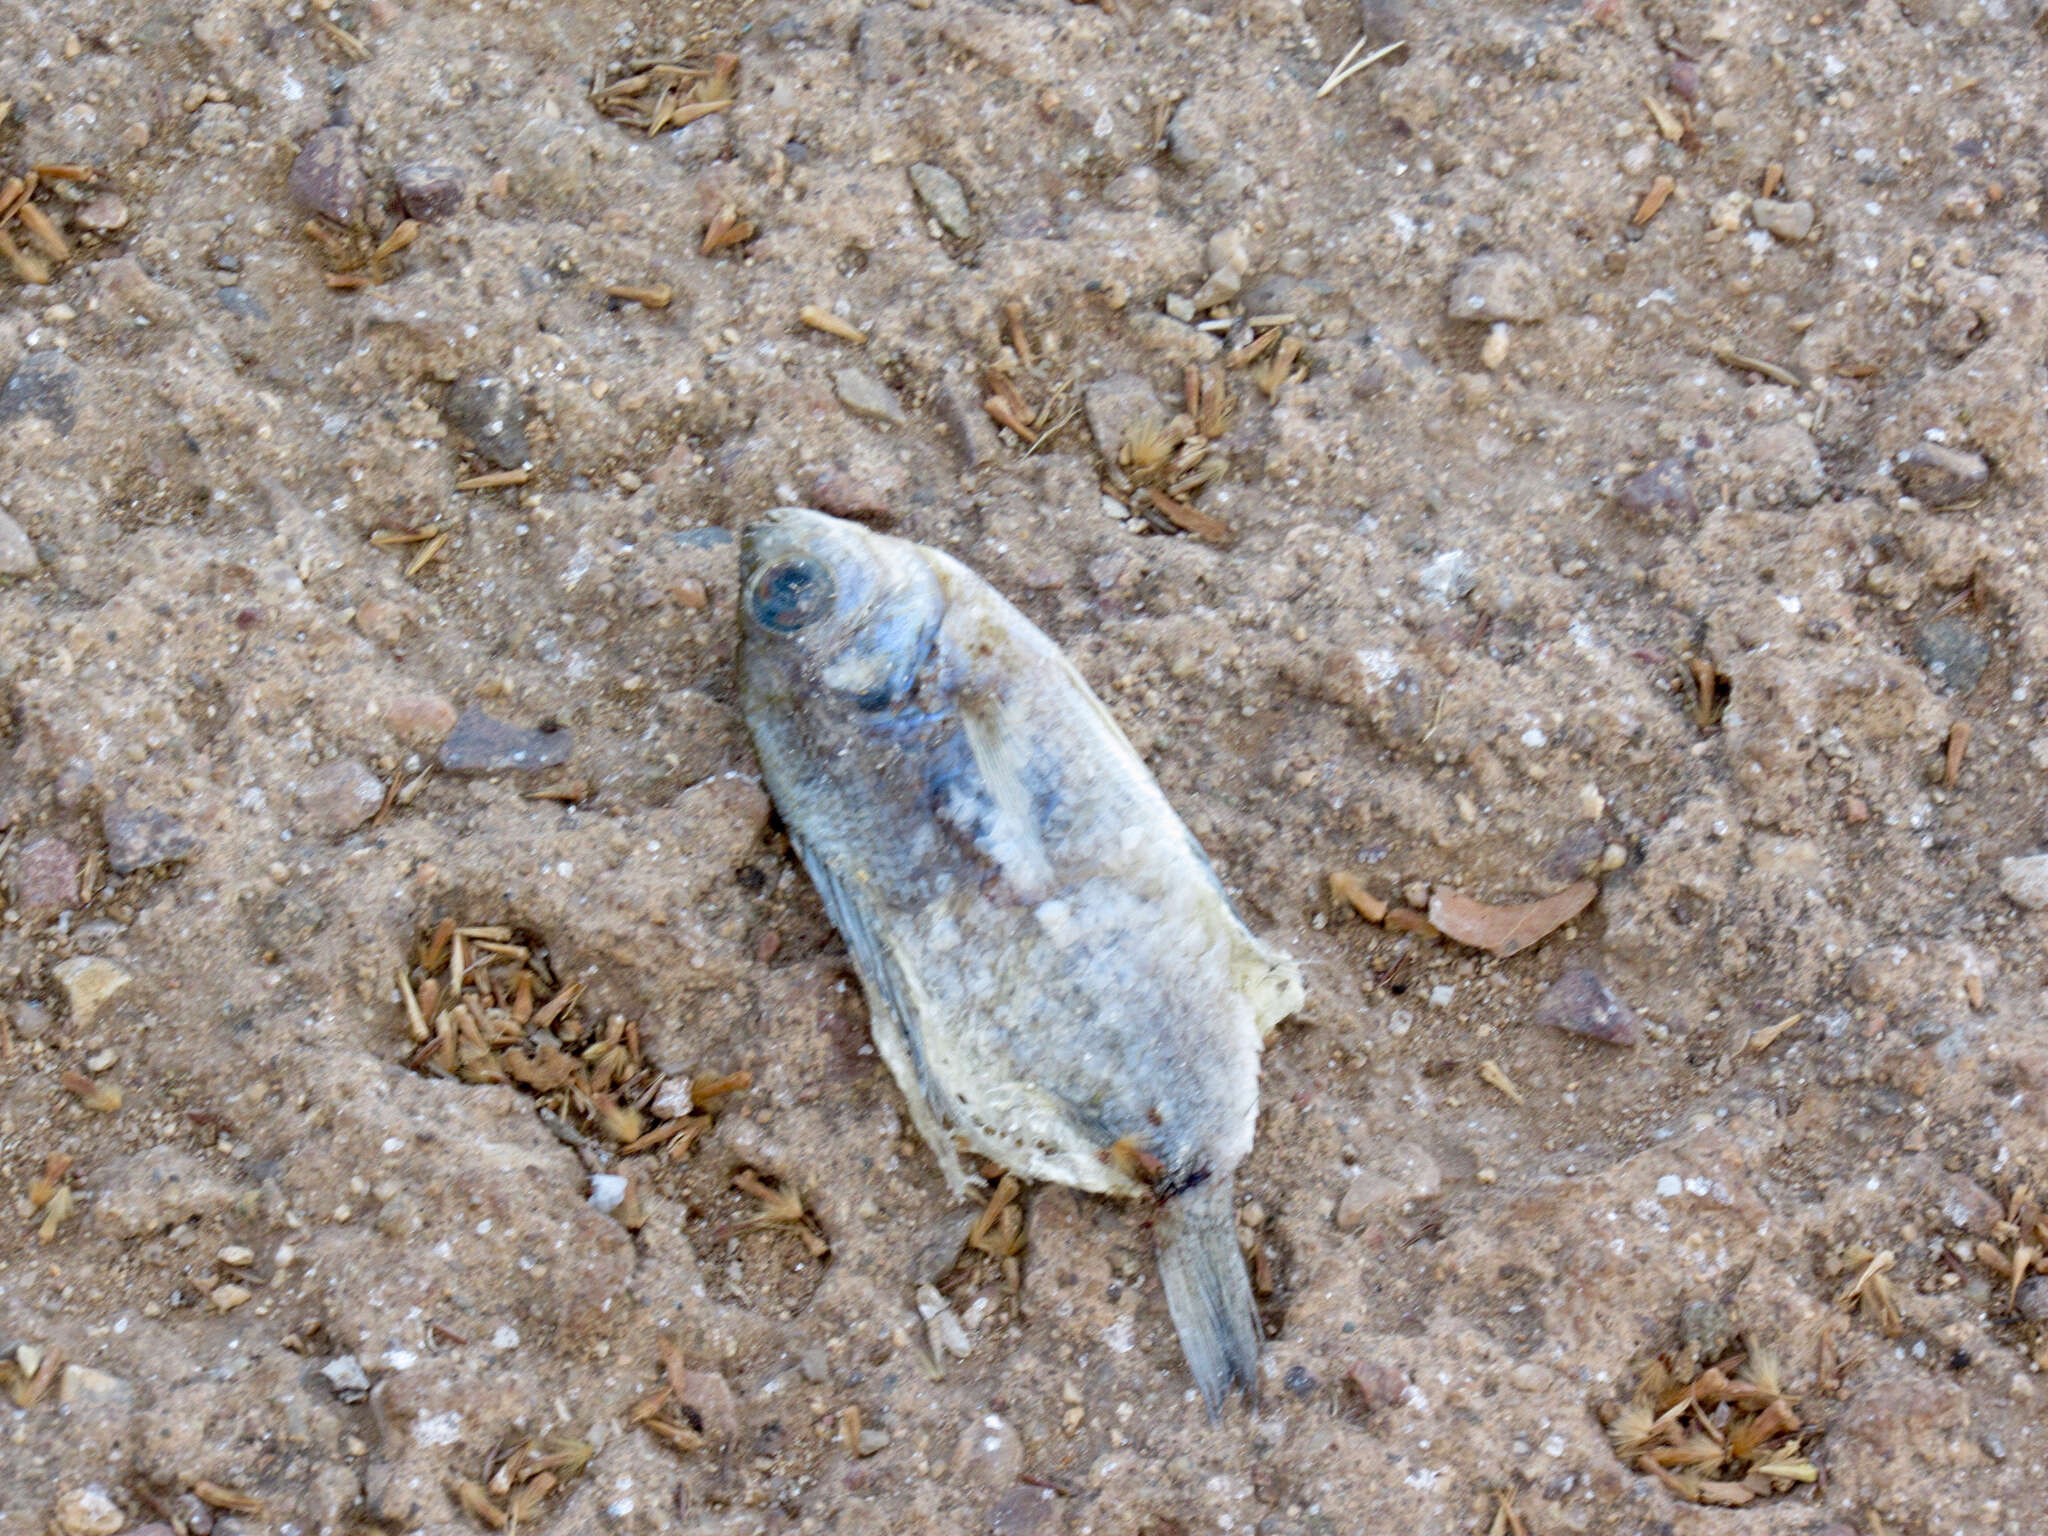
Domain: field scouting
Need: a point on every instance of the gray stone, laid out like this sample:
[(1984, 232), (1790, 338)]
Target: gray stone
[(2024, 879), (486, 409), (973, 433), (338, 797), (865, 395), (1940, 476), (2032, 1301), (346, 1376), (144, 838), (1790, 222), (327, 177), (1194, 136), (1953, 652), (18, 556), (43, 384), (1448, 578), (1114, 407), (1579, 1003), (1501, 285), (481, 744), (430, 193), (940, 191)]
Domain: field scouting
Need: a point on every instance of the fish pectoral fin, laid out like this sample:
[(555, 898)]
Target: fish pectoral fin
[(897, 1007), (1012, 837)]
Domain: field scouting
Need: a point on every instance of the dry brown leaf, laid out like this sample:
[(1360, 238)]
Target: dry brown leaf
[(1510, 929)]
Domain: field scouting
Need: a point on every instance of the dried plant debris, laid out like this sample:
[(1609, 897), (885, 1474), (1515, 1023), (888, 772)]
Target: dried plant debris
[(483, 1004), (27, 1375), (652, 94), (1163, 463), (33, 245), (666, 1413), (1508, 929), (779, 1208), (1726, 1434), (356, 256), (2016, 1252), (521, 1477), (1871, 1292)]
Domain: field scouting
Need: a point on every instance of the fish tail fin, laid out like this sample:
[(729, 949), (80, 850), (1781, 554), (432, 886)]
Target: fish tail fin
[(1208, 1292)]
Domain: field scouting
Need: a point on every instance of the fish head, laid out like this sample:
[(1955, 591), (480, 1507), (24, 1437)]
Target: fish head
[(834, 612)]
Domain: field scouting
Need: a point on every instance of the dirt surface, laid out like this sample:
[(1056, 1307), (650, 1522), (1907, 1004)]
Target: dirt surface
[(1694, 547)]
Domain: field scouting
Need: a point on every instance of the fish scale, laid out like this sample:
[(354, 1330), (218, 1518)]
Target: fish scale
[(1053, 971)]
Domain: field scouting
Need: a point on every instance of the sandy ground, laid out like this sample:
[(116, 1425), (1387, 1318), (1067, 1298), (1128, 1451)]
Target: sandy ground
[(1694, 546)]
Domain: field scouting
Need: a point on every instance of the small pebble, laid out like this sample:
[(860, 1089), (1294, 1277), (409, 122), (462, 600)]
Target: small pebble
[(88, 1512), (44, 384), (481, 744), (18, 555), (327, 177), (1953, 652), (607, 1191), (82, 1385), (2032, 1301), (940, 191), (1579, 1003), (45, 878), (1528, 1377), (229, 1297), (144, 839), (2024, 879), (237, 1257), (338, 797), (420, 719), (346, 1376), (865, 395), (1791, 222), (1378, 1386), (89, 984), (1940, 476), (103, 214), (486, 409), (429, 193)]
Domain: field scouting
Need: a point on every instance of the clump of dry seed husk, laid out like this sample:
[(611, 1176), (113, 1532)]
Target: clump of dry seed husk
[(1162, 465), (519, 1478), (665, 1413), (2017, 1253), (32, 245), (656, 93), (483, 1004), (357, 256), (1007, 405), (1728, 1434)]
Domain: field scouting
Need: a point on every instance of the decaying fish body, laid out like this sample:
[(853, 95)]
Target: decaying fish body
[(1053, 972)]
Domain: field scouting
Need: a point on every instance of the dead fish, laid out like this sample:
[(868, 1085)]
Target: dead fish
[(1053, 972)]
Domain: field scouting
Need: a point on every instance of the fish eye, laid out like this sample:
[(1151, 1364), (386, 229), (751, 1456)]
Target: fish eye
[(791, 594)]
